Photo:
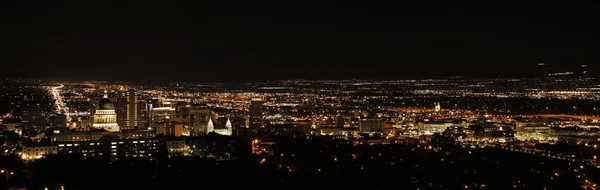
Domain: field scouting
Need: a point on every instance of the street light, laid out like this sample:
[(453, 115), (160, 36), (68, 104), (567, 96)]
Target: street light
[(8, 173)]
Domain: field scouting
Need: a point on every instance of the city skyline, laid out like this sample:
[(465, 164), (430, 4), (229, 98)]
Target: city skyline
[(106, 94)]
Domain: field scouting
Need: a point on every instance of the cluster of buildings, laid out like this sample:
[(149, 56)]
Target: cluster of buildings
[(128, 127), (140, 123)]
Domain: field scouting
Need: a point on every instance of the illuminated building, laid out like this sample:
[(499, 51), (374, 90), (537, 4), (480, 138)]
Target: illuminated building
[(431, 127), (83, 122), (370, 125), (256, 116), (68, 135), (141, 114), (163, 114), (438, 107), (172, 129), (274, 131), (37, 152), (176, 148), (198, 121), (105, 116), (121, 109), (132, 109), (58, 120), (86, 149), (210, 127), (132, 148), (137, 133), (33, 118), (226, 130), (12, 124), (533, 131)]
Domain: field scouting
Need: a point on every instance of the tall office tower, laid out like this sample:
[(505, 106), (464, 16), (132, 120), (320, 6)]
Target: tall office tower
[(141, 114), (256, 119), (199, 119), (163, 114), (121, 109), (132, 109)]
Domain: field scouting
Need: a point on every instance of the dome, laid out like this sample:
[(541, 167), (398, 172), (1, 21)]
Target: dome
[(106, 104)]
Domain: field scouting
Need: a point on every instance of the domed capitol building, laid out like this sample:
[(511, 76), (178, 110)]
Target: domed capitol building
[(105, 116)]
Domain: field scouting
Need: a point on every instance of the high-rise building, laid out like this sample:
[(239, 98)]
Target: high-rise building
[(132, 108), (121, 109), (142, 111), (256, 116), (34, 118), (199, 119)]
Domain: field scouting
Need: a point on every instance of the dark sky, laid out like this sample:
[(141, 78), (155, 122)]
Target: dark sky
[(233, 41)]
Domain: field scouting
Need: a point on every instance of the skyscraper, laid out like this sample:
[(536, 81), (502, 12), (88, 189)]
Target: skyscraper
[(256, 119), (132, 109), (199, 119), (121, 109)]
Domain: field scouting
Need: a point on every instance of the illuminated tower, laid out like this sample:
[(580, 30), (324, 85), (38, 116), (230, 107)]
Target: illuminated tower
[(256, 119), (132, 109), (105, 116), (210, 127), (438, 107), (199, 119)]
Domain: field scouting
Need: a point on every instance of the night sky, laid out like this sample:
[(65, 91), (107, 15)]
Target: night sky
[(233, 41)]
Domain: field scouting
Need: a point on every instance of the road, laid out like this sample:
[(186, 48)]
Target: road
[(58, 101)]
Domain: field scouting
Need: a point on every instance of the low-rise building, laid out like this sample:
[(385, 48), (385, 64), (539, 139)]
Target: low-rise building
[(37, 152)]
